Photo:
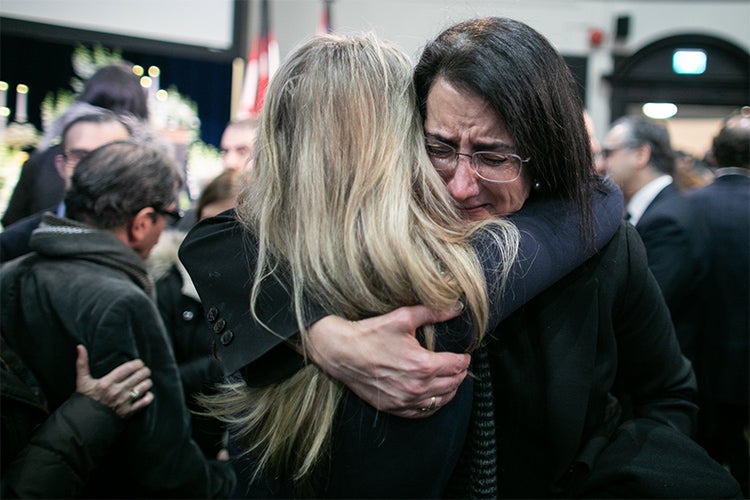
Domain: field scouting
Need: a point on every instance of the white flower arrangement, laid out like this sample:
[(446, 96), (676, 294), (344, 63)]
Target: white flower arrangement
[(173, 115), (171, 111), (11, 160), (86, 62)]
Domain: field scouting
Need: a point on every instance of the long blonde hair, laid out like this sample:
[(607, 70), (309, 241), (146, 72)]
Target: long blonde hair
[(344, 202)]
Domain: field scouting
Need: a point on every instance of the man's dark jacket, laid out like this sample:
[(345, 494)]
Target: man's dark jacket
[(88, 287)]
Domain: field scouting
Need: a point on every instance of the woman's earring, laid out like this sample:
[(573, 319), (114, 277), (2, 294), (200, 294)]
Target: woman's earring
[(537, 185)]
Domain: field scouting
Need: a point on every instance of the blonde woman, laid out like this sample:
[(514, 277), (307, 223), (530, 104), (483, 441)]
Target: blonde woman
[(345, 206)]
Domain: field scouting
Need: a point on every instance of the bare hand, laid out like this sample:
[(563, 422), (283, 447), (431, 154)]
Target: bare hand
[(382, 362), (126, 389)]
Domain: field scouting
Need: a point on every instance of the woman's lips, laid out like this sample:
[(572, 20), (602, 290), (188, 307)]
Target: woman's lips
[(477, 211)]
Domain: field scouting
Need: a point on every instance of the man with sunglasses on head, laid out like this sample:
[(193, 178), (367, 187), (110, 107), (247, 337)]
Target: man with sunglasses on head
[(86, 282)]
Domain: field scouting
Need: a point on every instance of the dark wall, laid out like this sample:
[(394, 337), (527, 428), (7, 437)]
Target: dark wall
[(207, 83), (45, 66)]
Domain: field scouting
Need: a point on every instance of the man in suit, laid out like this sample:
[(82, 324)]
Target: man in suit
[(719, 350), (83, 134), (640, 159)]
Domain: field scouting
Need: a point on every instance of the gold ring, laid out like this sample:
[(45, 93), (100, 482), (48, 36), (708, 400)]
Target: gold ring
[(431, 407), (135, 394)]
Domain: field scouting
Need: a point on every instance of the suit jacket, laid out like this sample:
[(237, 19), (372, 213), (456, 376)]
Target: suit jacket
[(719, 346), (671, 238), (592, 394)]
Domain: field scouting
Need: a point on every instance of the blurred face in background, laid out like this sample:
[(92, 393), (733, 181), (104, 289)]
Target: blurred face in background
[(600, 165), (237, 146), (84, 137), (216, 208), (620, 159)]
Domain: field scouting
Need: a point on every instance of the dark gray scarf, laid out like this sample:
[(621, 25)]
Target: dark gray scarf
[(59, 237)]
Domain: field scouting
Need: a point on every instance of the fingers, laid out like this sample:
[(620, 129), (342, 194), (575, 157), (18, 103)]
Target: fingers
[(410, 318), (125, 389), (132, 406), (138, 397), (433, 404), (403, 392), (134, 388), (427, 407), (383, 363), (139, 379), (82, 363), (429, 373), (125, 370), (448, 364), (423, 315)]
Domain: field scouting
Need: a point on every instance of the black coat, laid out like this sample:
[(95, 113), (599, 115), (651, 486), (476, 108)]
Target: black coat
[(676, 257), (584, 375), (48, 456), (719, 345), (373, 454), (672, 240), (86, 286), (199, 370), (592, 395), (15, 238)]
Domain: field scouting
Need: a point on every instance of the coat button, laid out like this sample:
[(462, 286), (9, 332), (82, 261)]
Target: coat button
[(187, 315), (212, 314), (219, 325), (227, 337)]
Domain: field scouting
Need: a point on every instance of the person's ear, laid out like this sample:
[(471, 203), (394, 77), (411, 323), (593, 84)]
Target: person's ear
[(642, 155), (140, 227)]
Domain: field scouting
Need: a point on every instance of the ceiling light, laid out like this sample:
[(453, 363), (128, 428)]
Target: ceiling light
[(659, 110), (689, 62)]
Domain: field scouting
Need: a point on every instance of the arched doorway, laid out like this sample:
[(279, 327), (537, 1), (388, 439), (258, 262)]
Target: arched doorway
[(703, 98)]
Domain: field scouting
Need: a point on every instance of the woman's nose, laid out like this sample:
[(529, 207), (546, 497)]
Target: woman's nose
[(464, 184)]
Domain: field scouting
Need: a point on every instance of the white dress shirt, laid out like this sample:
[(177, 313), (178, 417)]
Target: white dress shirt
[(643, 198)]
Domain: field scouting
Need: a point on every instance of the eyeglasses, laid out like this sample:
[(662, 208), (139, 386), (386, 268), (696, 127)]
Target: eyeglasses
[(173, 215), (488, 165), (74, 155), (607, 152)]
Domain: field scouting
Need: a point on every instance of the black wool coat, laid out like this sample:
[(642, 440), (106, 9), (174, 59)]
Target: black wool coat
[(592, 394)]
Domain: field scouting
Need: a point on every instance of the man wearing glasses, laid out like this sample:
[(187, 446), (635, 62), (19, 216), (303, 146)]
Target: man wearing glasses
[(640, 159), (80, 136), (86, 283)]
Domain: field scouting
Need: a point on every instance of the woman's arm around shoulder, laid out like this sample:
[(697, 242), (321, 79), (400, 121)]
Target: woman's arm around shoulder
[(552, 244), (220, 258)]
